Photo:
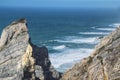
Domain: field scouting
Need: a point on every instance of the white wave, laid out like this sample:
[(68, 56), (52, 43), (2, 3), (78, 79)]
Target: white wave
[(69, 56), (49, 41), (106, 29), (97, 33), (93, 40), (115, 25), (93, 27), (59, 47)]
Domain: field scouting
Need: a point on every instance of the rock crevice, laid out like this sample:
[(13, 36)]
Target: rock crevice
[(22, 60)]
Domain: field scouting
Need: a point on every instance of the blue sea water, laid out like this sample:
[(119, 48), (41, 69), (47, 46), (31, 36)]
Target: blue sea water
[(69, 34)]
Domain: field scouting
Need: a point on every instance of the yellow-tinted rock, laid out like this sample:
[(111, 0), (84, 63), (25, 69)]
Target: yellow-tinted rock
[(22, 60), (102, 64)]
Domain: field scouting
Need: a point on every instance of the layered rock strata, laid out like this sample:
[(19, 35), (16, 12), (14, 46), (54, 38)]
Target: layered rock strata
[(102, 64), (22, 60)]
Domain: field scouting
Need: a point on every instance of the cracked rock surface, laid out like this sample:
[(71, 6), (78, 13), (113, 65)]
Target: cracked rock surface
[(22, 60), (102, 64)]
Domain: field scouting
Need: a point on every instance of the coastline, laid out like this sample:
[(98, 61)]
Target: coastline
[(32, 62)]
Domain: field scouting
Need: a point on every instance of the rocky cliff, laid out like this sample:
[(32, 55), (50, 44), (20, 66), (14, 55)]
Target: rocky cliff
[(102, 64), (22, 60)]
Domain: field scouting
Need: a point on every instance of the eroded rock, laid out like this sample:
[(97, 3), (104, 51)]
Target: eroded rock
[(22, 60), (102, 64)]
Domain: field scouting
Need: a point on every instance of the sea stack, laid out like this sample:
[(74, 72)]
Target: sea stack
[(22, 60)]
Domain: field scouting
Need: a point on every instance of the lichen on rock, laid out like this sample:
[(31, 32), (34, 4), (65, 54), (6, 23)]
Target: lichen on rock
[(28, 63), (27, 59)]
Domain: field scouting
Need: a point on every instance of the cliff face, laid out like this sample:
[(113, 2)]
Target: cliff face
[(102, 64), (22, 60)]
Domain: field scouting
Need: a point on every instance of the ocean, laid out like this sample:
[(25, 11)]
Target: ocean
[(69, 34)]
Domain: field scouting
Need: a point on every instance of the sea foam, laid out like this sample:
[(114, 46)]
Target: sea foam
[(69, 56), (106, 29), (115, 25), (91, 40), (59, 47), (94, 33)]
